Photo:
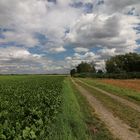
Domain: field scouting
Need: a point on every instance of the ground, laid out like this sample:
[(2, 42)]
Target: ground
[(62, 108)]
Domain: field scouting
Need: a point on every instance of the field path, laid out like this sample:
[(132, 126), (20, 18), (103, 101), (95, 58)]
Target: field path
[(121, 100), (115, 125)]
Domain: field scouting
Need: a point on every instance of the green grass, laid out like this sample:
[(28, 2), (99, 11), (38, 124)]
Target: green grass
[(47, 108), (70, 124), (96, 128), (77, 121), (127, 114), (129, 94)]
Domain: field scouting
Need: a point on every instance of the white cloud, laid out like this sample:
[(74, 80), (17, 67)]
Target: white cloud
[(78, 58), (108, 28), (57, 49), (26, 18), (111, 31), (81, 49), (97, 59), (14, 53), (106, 53), (20, 60)]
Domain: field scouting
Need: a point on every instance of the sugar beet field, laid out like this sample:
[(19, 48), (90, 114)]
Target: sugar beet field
[(42, 107)]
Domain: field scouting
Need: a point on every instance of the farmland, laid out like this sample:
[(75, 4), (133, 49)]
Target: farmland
[(118, 87), (120, 109), (29, 105), (44, 107), (130, 84), (60, 108)]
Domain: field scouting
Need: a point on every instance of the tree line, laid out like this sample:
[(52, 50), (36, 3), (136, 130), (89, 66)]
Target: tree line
[(127, 64), (83, 67), (123, 63)]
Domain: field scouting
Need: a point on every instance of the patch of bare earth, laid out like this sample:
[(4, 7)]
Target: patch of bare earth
[(130, 84), (118, 128)]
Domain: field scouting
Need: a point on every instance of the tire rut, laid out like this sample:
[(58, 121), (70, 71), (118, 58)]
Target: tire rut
[(121, 100), (116, 126)]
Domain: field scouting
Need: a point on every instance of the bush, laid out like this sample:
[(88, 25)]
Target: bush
[(110, 75)]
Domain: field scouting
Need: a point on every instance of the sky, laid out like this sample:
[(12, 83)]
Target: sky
[(53, 36)]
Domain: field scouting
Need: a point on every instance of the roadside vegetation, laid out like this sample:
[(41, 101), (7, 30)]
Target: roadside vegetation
[(77, 121), (125, 113), (69, 124), (95, 127), (48, 108), (118, 67), (129, 94)]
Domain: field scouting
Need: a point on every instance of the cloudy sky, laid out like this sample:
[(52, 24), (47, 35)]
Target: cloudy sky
[(52, 36)]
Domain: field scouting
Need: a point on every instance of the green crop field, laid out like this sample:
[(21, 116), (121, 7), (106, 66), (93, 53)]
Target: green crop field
[(29, 105), (42, 107)]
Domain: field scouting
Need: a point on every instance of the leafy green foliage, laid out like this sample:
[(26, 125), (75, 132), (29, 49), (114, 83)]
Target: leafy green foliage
[(85, 67), (28, 106), (70, 124), (124, 63), (72, 72)]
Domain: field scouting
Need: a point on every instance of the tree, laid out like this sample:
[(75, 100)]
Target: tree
[(132, 62), (129, 62), (100, 71), (84, 67), (72, 72)]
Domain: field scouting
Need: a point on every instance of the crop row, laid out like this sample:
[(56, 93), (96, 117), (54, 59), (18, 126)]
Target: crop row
[(28, 106)]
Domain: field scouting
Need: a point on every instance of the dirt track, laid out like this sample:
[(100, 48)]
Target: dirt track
[(115, 125), (121, 100)]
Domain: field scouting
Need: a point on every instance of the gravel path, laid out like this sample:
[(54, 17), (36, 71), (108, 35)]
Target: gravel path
[(121, 100), (118, 128)]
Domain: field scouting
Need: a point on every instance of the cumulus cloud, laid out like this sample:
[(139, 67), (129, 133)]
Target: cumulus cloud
[(81, 49), (15, 60), (57, 49), (110, 26), (21, 60), (104, 30), (26, 18), (106, 53), (78, 58), (19, 54)]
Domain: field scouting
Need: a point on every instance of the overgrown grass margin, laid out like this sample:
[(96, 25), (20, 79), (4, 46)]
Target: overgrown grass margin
[(69, 125)]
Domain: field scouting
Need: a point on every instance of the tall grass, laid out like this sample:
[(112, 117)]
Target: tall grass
[(69, 125)]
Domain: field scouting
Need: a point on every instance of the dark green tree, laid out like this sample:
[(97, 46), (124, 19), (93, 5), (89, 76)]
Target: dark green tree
[(72, 72), (100, 71), (132, 62), (129, 62), (84, 67)]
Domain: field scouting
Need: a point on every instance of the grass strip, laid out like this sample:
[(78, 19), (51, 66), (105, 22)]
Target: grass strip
[(77, 120), (69, 125), (125, 113), (129, 94), (96, 128)]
